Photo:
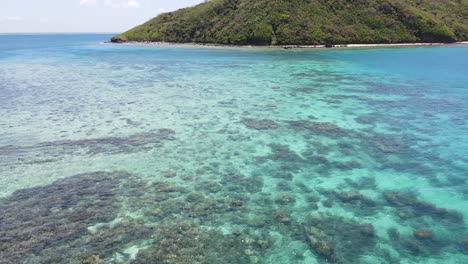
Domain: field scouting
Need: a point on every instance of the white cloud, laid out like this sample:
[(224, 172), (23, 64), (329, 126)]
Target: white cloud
[(88, 2), (133, 4), (11, 18), (111, 3)]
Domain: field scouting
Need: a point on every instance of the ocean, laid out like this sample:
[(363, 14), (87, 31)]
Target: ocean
[(178, 154)]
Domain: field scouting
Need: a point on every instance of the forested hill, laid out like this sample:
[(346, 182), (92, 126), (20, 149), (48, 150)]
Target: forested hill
[(303, 22)]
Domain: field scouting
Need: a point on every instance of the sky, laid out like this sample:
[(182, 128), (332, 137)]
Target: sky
[(40, 16)]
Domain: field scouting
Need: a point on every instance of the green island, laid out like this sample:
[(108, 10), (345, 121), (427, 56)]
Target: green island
[(308, 22)]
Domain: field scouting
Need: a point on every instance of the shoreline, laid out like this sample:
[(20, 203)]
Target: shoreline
[(214, 45)]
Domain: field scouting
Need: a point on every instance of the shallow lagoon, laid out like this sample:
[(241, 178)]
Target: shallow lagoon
[(142, 154)]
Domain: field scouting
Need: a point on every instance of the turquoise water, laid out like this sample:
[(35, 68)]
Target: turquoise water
[(163, 154)]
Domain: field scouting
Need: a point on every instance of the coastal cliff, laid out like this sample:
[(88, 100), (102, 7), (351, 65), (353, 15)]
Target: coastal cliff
[(307, 22)]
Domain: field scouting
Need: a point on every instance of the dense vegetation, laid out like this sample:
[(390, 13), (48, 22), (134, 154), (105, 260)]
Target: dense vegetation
[(282, 22)]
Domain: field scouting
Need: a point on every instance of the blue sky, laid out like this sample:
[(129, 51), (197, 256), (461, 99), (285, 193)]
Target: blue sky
[(81, 15)]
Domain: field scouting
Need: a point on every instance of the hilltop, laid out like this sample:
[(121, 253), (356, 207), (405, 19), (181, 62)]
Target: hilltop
[(308, 22)]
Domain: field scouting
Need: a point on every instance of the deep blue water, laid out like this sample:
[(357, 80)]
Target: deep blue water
[(179, 154)]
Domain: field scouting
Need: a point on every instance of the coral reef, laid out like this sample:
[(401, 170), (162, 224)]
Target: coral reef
[(283, 153), (387, 145), (189, 243), (323, 128), (40, 221), (463, 245), (421, 243), (337, 239), (284, 198), (350, 196), (407, 206), (259, 124), (108, 145), (423, 234), (93, 259), (310, 158), (362, 183)]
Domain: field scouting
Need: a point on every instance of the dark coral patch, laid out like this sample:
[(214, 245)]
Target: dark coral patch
[(259, 124), (423, 234), (362, 183), (284, 153), (324, 128), (339, 240), (186, 243), (43, 219), (107, 145), (409, 207)]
